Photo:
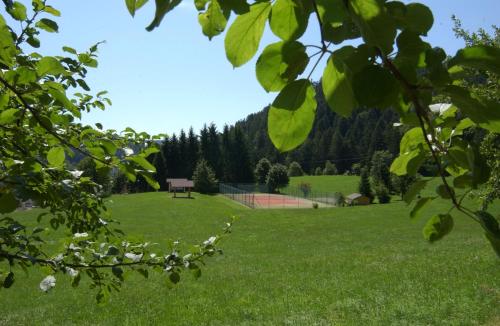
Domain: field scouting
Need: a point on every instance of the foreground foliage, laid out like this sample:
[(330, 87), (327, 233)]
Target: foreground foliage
[(41, 100), (393, 67)]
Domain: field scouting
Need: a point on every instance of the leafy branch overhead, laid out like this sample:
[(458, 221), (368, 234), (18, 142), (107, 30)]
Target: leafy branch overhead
[(393, 67), (41, 100)]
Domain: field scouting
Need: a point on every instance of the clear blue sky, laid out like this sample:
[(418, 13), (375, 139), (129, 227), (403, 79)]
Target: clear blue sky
[(174, 78)]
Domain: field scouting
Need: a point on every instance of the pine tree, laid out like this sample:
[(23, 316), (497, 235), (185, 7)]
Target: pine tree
[(161, 170), (243, 168), (172, 158), (214, 152), (227, 155), (192, 152), (183, 149)]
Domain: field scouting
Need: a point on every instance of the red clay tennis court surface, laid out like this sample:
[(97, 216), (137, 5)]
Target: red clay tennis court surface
[(281, 201)]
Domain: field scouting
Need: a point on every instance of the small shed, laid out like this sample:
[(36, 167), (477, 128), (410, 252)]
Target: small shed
[(357, 199), (180, 185)]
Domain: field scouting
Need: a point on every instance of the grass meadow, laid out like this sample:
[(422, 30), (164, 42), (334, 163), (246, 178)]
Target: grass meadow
[(337, 266)]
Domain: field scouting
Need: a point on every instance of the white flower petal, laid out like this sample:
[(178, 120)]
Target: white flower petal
[(48, 283), (135, 258)]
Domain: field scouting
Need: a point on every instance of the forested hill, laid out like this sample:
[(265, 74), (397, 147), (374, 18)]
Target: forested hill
[(343, 141)]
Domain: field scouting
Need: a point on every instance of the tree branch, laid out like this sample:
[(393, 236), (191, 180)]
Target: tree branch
[(421, 112), (49, 130)]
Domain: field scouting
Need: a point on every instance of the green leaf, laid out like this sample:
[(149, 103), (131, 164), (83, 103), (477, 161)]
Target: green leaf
[(142, 162), (243, 37), (238, 6), (421, 203), (63, 100), (6, 44), (69, 49), (9, 280), (87, 60), (337, 87), (332, 12), (134, 5), (213, 21), (491, 228), (33, 41), (418, 18), (148, 176), (377, 27), (375, 86), (56, 156), (443, 192), (409, 162), (479, 57), (291, 115), (49, 66), (17, 11), (162, 8), (437, 227), (51, 10), (25, 75), (288, 19), (411, 140), (482, 111), (280, 63), (4, 100), (9, 116), (48, 25), (8, 203), (414, 190), (397, 10), (174, 277), (117, 272)]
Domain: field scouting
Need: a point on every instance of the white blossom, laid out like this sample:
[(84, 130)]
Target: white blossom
[(48, 283), (128, 151), (76, 173), (73, 247), (58, 258), (71, 272), (80, 235), (210, 241), (135, 258)]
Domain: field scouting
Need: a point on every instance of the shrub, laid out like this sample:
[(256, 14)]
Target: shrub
[(262, 170), (338, 199), (379, 171), (120, 183), (318, 171), (382, 194), (305, 188), (315, 205), (277, 177), (204, 178), (330, 169), (364, 185), (295, 170), (356, 169)]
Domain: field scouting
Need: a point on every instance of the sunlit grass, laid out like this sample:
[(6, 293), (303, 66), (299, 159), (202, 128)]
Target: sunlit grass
[(347, 266)]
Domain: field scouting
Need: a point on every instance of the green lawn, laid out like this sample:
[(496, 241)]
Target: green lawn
[(343, 266)]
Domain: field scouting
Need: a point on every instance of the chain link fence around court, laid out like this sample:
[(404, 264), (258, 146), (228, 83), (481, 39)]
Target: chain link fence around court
[(259, 196)]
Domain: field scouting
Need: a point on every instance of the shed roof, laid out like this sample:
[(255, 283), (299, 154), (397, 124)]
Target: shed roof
[(181, 183), (354, 196)]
